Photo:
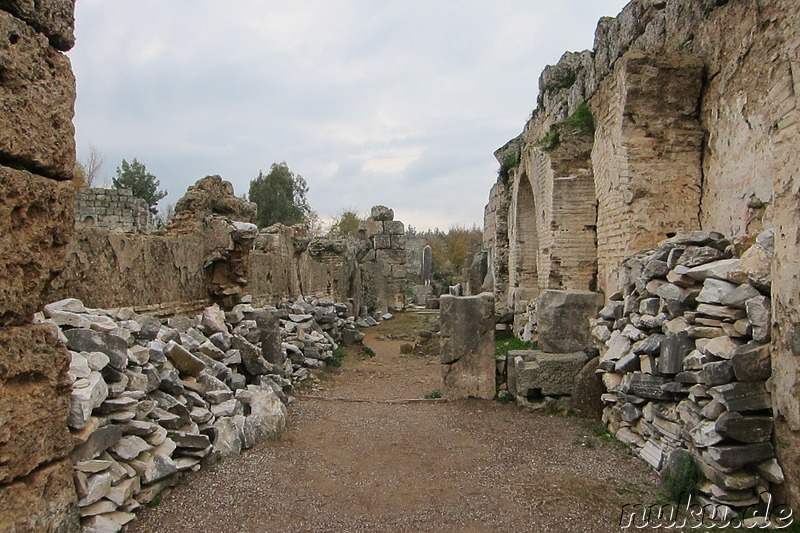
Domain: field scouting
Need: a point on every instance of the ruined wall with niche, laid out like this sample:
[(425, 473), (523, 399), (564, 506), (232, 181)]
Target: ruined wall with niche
[(37, 158), (696, 110), (112, 209), (212, 253)]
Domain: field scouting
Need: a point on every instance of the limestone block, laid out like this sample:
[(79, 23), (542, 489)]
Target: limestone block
[(395, 257), (563, 320), (44, 501), (87, 340), (37, 93), (34, 400), (35, 228), (547, 374), (393, 227), (587, 389), (381, 213), (398, 242), (382, 242), (467, 346), (54, 18), (373, 227), (267, 413)]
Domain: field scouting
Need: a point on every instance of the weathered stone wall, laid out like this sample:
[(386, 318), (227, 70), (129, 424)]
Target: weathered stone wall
[(495, 242), (687, 364), (647, 155), (696, 109), (112, 209), (37, 158), (383, 261)]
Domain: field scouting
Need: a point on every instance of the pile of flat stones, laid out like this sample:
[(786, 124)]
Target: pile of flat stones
[(685, 359), (150, 400)]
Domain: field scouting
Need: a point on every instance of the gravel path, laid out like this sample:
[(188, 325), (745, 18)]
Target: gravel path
[(465, 466)]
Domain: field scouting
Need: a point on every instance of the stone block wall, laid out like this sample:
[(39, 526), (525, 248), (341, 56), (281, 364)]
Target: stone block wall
[(383, 261), (37, 158), (696, 111), (112, 209), (647, 155)]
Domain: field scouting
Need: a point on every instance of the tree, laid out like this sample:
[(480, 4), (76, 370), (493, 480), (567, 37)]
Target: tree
[(88, 170), (280, 196), (134, 176), (346, 224)]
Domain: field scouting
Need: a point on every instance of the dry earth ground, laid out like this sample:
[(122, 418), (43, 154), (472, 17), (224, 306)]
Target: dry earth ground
[(464, 466)]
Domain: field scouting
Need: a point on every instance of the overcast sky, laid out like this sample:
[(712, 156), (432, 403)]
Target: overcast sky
[(393, 102)]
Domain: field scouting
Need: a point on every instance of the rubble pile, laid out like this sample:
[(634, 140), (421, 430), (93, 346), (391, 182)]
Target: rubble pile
[(685, 359), (152, 400)]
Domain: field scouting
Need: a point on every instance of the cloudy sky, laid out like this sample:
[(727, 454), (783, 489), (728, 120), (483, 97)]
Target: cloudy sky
[(393, 102)]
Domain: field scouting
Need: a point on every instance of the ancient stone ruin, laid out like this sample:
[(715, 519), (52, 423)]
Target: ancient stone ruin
[(657, 181), (685, 356), (680, 124), (112, 209)]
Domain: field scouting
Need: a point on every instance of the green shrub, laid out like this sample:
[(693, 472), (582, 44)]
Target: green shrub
[(684, 477), (506, 397), (552, 140), (432, 395), (338, 357), (505, 341), (369, 351), (581, 120)]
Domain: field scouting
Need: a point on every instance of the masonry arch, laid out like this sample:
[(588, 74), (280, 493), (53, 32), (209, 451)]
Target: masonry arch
[(524, 243)]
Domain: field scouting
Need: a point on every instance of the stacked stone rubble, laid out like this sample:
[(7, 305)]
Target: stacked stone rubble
[(114, 209), (685, 357), (152, 400)]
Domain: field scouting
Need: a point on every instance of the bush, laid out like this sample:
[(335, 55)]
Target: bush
[(432, 395), (684, 477), (581, 120), (552, 140), (338, 357)]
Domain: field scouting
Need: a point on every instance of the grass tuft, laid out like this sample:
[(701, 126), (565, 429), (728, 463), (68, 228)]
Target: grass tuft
[(432, 395), (505, 341), (338, 357)]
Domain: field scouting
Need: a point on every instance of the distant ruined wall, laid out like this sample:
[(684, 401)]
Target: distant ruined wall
[(37, 159), (695, 106), (112, 209)]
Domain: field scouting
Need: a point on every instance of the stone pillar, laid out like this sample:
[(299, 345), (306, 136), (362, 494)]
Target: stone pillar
[(467, 346), (427, 265), (37, 150)]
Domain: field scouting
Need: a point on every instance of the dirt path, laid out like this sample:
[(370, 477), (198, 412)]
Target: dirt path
[(466, 466)]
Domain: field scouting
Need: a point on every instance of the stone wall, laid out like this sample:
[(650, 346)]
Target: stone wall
[(686, 359), (383, 261), (696, 111), (37, 158), (647, 155), (112, 209)]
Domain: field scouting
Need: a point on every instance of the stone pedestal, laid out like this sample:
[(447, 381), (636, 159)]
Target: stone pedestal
[(467, 346)]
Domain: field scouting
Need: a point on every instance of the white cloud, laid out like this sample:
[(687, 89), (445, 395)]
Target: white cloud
[(397, 103)]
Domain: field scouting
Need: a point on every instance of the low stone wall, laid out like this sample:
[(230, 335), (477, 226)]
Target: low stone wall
[(685, 357), (150, 400), (115, 209)]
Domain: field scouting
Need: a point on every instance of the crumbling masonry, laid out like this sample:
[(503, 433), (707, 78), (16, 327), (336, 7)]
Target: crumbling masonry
[(695, 127)]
